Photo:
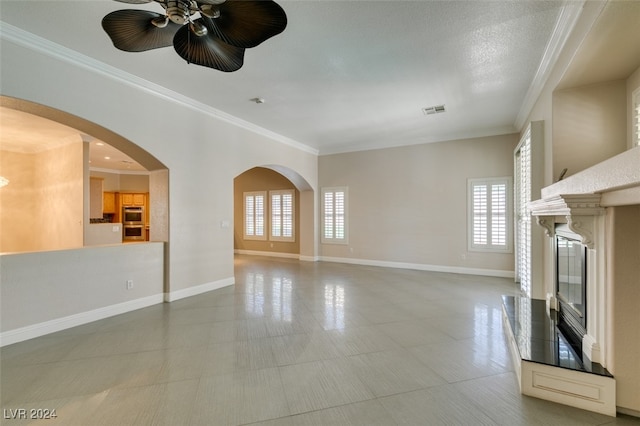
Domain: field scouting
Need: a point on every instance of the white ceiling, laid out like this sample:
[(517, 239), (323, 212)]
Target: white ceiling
[(346, 75)]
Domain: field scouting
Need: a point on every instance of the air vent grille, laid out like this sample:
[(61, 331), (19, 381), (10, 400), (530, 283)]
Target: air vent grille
[(437, 109)]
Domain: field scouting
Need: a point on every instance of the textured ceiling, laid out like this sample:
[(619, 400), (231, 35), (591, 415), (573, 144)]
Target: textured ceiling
[(344, 75)]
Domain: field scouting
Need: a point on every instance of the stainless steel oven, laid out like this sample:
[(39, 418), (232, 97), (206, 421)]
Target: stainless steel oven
[(133, 224), (133, 233), (133, 215)]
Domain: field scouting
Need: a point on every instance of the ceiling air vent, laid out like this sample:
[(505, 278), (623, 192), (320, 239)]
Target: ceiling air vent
[(437, 109)]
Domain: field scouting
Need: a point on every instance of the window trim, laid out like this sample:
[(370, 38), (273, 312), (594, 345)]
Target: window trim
[(281, 192), (264, 215), (332, 240), (489, 247)]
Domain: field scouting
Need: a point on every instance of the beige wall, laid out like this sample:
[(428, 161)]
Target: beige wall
[(42, 207), (589, 125), (409, 204), (261, 179), (122, 182), (48, 291), (624, 285)]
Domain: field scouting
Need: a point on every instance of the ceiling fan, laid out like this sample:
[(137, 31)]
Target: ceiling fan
[(211, 33)]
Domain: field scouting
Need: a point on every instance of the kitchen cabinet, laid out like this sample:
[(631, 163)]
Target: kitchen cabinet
[(108, 202), (133, 199)]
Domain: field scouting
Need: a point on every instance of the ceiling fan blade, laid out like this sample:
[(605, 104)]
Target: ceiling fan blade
[(135, 1), (133, 30), (247, 23), (207, 50)]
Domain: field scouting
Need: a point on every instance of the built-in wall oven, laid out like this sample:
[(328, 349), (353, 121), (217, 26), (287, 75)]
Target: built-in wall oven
[(133, 223)]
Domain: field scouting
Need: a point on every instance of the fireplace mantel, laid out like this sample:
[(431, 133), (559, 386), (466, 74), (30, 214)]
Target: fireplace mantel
[(579, 212)]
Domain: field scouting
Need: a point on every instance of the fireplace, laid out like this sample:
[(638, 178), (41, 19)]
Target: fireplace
[(571, 286), (601, 205)]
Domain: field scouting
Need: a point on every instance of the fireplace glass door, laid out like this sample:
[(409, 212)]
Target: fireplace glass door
[(571, 273), (571, 286)]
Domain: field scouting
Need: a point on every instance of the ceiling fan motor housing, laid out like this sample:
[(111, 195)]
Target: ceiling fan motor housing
[(179, 11)]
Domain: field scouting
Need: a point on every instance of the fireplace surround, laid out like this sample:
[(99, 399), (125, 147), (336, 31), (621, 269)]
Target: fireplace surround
[(600, 207)]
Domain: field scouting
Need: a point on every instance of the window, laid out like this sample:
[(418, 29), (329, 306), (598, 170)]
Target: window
[(489, 215), (334, 215), (635, 120), (254, 216), (282, 215), (522, 161)]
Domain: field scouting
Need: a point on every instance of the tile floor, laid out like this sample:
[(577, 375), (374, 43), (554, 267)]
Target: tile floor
[(291, 343)]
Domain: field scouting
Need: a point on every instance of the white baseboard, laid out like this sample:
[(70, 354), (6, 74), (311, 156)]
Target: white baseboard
[(309, 258), (267, 253), (422, 267), (36, 330), (199, 289), (384, 264)]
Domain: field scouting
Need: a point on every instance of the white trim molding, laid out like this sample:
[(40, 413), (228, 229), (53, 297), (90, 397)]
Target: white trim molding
[(199, 289), (36, 330), (49, 48), (567, 20), (268, 253), (421, 267)]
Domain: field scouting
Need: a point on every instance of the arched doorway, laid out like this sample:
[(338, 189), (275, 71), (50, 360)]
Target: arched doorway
[(59, 177), (274, 213)]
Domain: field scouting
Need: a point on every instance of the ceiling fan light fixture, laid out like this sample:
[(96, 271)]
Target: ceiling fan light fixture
[(198, 28), (210, 11), (160, 22)]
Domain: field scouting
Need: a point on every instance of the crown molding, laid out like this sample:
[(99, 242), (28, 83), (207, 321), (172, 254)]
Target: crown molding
[(569, 15), (31, 41)]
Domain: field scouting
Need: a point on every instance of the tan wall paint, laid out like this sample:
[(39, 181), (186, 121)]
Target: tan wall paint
[(134, 183), (409, 204), (261, 179), (42, 207), (18, 218), (589, 125)]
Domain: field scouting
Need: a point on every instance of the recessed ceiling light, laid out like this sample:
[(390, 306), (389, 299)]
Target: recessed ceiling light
[(436, 109), (99, 144), (107, 158)]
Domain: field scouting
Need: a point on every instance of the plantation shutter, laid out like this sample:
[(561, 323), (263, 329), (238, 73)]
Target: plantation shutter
[(489, 201), (334, 210), (254, 216), (523, 218), (282, 215)]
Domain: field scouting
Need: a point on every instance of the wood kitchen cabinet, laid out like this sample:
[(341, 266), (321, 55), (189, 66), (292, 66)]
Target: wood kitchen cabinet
[(108, 202), (133, 199)]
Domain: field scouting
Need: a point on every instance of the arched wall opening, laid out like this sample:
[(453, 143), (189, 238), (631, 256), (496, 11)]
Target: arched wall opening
[(56, 201), (268, 181)]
